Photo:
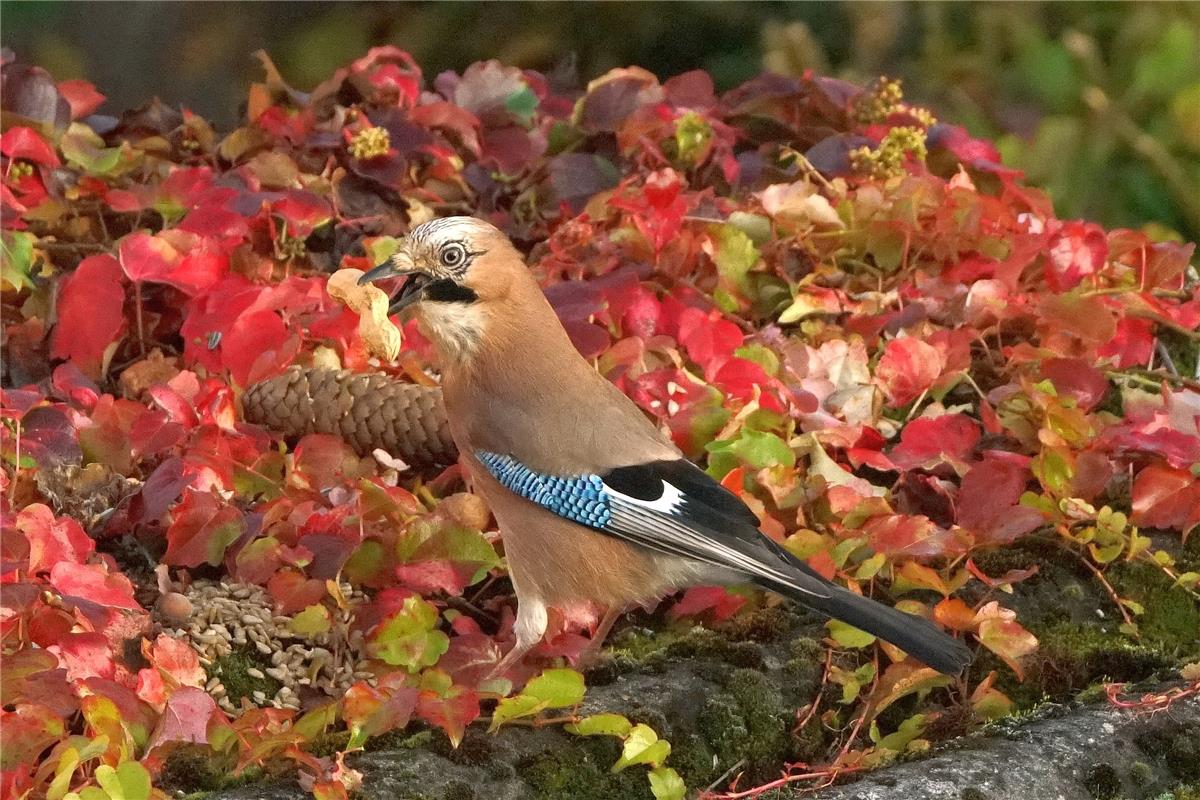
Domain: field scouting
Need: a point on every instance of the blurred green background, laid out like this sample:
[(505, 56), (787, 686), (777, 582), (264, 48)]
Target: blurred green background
[(1097, 102)]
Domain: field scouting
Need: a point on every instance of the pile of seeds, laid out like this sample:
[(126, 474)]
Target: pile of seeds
[(238, 617)]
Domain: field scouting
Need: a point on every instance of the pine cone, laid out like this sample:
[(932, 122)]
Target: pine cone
[(368, 410)]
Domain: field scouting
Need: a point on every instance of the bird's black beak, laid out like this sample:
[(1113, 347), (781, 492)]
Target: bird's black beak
[(399, 266)]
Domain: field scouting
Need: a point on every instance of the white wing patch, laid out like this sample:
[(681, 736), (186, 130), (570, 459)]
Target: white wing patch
[(659, 525), (669, 502)]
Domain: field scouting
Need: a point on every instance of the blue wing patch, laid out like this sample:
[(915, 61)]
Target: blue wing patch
[(579, 498)]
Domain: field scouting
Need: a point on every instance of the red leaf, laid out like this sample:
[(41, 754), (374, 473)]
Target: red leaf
[(1132, 344), (81, 96), (928, 441), (91, 314), (185, 718), (427, 577), (1077, 250), (92, 583), (176, 659), (908, 368), (903, 535), (987, 502), (293, 592), (257, 346), (203, 527), (87, 655), (28, 144), (1164, 497), (52, 540), (1077, 378), (700, 599)]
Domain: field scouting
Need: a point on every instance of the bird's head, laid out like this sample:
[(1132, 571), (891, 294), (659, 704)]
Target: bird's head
[(460, 271)]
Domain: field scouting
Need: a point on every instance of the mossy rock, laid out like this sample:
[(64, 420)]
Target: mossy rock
[(194, 769), (580, 770), (748, 720), (1171, 620)]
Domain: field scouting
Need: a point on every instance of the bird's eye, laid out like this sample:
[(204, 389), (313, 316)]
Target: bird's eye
[(453, 255)]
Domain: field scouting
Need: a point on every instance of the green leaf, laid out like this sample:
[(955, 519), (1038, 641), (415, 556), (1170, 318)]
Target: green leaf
[(848, 635), (382, 248), (129, 781), (408, 638), (751, 448), (642, 746), (84, 148), (510, 708), (601, 725), (521, 105), (311, 621), (735, 256), (16, 247), (666, 784), (557, 688), (692, 136), (756, 226)]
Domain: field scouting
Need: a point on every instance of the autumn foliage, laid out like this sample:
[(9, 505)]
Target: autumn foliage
[(854, 315)]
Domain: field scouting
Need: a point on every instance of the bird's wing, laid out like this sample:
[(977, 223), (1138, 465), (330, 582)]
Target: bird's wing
[(669, 506), (673, 507)]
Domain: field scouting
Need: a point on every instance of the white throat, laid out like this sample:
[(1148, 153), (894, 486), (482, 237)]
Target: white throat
[(456, 329)]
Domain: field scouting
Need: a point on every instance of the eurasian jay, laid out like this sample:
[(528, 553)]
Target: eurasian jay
[(594, 503)]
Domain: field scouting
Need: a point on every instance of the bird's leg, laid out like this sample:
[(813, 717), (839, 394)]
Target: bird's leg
[(529, 628), (591, 653)]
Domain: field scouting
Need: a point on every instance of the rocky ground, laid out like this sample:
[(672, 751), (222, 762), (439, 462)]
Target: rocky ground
[(728, 696)]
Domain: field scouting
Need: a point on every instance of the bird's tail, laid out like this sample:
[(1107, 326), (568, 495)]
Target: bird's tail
[(914, 635)]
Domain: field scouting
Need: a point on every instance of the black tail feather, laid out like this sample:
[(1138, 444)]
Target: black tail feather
[(914, 635)]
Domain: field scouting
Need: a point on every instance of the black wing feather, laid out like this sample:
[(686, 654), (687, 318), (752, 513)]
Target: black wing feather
[(709, 523)]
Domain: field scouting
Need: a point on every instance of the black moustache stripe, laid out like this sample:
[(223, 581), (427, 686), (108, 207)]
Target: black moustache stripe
[(447, 291)]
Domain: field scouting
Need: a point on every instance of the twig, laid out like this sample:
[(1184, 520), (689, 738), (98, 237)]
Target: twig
[(725, 775), (1166, 357)]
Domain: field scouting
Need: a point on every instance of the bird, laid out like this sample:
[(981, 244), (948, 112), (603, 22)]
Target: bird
[(593, 502)]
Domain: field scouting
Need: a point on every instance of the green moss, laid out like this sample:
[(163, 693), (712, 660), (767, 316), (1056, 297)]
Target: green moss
[(763, 625), (1102, 782), (1186, 791), (810, 743), (401, 740), (580, 770), (748, 720), (195, 769), (233, 669), (1172, 616), (326, 744), (971, 793), (803, 670), (458, 790), (692, 758), (1141, 774), (1183, 753), (1073, 656)]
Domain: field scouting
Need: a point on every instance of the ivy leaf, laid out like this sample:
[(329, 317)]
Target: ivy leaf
[(408, 638), (642, 746), (370, 711), (1003, 635), (202, 529), (848, 636), (91, 315), (129, 780), (557, 688), (606, 724), (908, 368), (666, 784)]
